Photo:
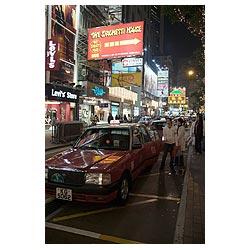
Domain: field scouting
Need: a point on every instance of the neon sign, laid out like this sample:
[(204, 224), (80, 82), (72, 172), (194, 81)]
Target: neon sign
[(98, 91)]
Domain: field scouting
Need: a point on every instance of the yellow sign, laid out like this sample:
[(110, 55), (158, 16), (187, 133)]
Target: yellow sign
[(176, 100), (126, 79), (110, 159)]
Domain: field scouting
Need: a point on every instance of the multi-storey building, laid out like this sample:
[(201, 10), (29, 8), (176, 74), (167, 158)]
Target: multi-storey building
[(150, 14), (67, 35)]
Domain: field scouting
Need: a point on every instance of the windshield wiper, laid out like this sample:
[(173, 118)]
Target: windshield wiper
[(88, 147)]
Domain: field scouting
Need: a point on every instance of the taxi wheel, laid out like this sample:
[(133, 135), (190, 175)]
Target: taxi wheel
[(123, 190)]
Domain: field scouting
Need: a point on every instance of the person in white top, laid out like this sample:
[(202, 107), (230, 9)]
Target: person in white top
[(170, 137)]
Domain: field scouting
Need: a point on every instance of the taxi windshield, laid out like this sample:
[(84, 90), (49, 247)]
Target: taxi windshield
[(104, 138)]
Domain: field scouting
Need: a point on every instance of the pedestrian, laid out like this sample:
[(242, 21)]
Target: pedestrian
[(129, 118), (96, 118), (125, 118), (169, 134), (198, 133), (92, 120), (191, 137), (203, 139), (110, 117), (179, 160)]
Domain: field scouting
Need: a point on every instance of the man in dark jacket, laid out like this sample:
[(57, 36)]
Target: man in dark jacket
[(110, 117), (198, 133)]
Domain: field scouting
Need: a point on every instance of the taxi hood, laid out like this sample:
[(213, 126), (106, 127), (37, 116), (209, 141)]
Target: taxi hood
[(84, 159)]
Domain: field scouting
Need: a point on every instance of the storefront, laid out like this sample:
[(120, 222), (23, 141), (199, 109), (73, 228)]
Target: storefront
[(127, 108), (115, 108), (61, 103), (95, 102), (122, 101), (86, 108)]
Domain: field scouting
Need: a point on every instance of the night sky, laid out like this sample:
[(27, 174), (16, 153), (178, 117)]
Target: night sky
[(180, 43)]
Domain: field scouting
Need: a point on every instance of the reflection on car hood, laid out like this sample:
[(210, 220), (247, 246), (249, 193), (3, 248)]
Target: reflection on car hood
[(82, 159)]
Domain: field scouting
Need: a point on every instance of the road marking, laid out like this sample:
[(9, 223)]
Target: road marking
[(53, 214), (72, 216), (156, 197), (118, 240), (90, 234), (48, 200)]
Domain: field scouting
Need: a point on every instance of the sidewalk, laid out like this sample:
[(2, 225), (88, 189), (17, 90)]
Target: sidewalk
[(190, 226), (51, 145)]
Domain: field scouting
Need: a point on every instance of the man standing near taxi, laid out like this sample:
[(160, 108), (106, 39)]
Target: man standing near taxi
[(170, 138)]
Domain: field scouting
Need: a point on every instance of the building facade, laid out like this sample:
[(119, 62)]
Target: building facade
[(93, 81)]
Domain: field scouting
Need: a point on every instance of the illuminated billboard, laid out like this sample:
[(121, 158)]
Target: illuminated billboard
[(176, 100), (119, 67), (63, 16), (125, 76), (63, 29), (177, 96), (150, 80), (126, 79), (132, 61), (162, 79), (122, 40)]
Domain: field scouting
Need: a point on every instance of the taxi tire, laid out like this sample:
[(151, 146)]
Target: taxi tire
[(123, 190)]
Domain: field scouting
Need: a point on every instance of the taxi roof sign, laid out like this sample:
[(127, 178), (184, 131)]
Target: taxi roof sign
[(114, 122)]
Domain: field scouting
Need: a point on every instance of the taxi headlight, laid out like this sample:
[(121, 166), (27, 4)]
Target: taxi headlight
[(97, 178)]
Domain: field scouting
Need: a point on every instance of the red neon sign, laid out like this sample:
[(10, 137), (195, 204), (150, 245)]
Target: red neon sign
[(122, 40)]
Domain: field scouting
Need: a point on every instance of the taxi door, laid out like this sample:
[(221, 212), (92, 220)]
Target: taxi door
[(137, 153), (152, 148)]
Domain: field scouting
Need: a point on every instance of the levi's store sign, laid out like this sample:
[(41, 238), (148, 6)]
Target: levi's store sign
[(52, 55), (122, 40), (61, 93)]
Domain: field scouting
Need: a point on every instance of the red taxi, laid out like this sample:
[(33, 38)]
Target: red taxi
[(102, 164)]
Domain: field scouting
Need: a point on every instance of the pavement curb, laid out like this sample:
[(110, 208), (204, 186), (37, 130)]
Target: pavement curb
[(180, 223), (58, 146)]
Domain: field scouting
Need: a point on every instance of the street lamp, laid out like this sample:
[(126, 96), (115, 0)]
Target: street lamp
[(190, 72)]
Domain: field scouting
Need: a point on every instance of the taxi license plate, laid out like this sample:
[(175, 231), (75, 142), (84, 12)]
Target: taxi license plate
[(64, 194)]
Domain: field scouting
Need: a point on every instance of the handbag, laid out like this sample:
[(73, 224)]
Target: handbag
[(189, 140)]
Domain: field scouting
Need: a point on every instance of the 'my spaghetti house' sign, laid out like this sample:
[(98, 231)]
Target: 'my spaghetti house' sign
[(123, 40)]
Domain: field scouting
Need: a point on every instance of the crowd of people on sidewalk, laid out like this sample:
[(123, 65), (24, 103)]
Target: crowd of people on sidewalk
[(175, 143)]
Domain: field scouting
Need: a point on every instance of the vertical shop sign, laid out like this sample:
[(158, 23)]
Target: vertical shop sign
[(52, 55)]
